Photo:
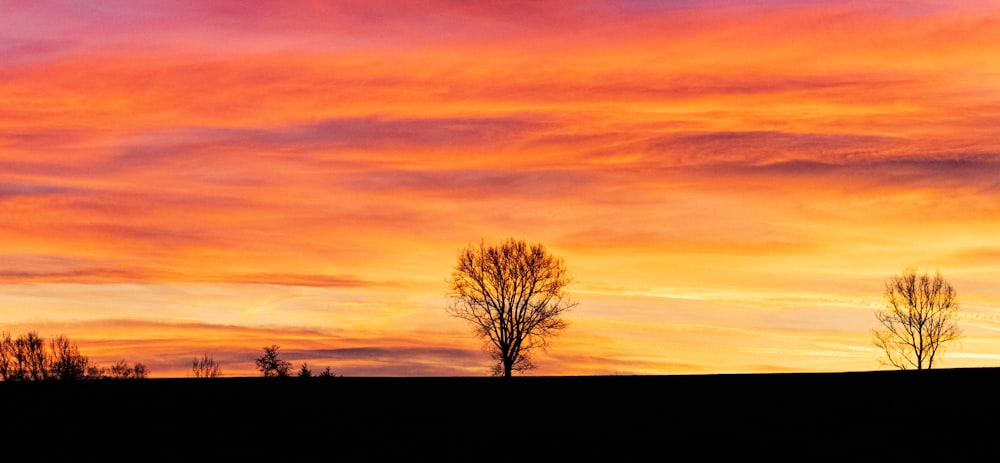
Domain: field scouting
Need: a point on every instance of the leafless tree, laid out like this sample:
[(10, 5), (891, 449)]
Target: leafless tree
[(122, 370), (26, 358), (8, 363), (270, 365), (31, 348), (23, 358), (66, 362), (205, 367), (514, 296), (920, 316), (140, 371), (96, 372)]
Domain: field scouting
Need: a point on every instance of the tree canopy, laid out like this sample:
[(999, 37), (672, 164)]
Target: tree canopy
[(920, 317), (513, 294)]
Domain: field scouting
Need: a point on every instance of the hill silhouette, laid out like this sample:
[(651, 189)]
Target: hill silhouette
[(932, 414)]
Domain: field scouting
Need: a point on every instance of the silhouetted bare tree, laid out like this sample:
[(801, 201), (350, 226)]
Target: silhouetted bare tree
[(205, 367), (31, 348), (920, 316), (270, 365), (96, 372), (66, 362), (26, 358), (23, 358), (122, 370), (514, 296), (8, 364)]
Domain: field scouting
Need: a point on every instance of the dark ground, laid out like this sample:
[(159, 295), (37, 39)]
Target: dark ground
[(946, 414)]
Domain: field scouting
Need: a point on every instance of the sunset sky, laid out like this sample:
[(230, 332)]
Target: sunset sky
[(730, 183)]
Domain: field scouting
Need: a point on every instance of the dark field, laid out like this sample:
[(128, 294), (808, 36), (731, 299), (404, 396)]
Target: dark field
[(946, 414)]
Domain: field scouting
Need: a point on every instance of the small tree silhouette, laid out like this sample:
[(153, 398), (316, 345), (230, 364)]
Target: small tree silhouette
[(920, 317), (96, 372), (270, 365), (205, 367), (122, 370), (305, 372), (23, 358), (66, 363)]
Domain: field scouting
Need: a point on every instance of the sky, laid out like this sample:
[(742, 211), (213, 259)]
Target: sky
[(730, 184)]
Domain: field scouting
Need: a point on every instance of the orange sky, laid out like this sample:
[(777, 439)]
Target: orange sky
[(730, 183)]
